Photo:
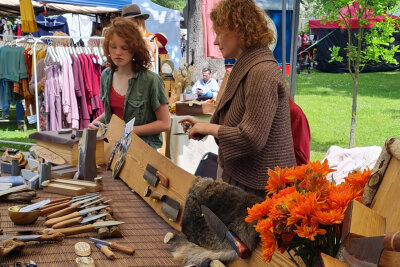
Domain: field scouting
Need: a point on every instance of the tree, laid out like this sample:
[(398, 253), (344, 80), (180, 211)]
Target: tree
[(363, 47), (172, 4)]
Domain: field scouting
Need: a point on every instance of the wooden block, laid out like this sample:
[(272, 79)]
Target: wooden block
[(47, 154), (65, 189), (361, 221), (328, 261), (87, 150), (71, 155), (13, 189), (65, 173), (90, 186)]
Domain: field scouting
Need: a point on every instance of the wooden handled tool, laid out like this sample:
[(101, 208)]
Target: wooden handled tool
[(106, 251), (78, 220), (85, 228), (53, 221), (113, 245), (72, 208)]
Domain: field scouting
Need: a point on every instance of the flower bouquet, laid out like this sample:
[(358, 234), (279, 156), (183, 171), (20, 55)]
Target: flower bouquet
[(303, 211)]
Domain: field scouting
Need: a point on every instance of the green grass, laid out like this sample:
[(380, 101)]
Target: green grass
[(9, 131), (326, 99)]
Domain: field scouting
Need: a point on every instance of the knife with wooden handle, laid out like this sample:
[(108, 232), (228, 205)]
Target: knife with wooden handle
[(51, 222), (65, 205), (84, 229), (78, 220), (113, 245)]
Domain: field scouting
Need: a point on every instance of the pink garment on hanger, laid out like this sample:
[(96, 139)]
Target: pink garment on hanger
[(70, 106), (88, 87), (210, 50), (80, 93)]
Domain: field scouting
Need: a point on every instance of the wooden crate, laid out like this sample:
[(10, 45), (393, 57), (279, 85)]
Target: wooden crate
[(194, 109)]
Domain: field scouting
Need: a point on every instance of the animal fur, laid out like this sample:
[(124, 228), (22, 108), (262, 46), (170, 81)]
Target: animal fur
[(198, 243)]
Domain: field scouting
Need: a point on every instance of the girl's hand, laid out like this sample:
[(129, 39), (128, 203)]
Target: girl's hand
[(187, 123)]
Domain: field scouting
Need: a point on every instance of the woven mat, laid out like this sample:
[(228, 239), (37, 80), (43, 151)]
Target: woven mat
[(143, 230)]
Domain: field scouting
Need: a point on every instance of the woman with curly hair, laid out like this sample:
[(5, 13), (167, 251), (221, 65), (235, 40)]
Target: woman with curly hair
[(251, 123), (128, 89)]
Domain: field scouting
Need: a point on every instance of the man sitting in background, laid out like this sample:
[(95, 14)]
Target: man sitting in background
[(207, 87)]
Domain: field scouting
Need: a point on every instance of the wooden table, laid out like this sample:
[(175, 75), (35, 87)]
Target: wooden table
[(143, 230)]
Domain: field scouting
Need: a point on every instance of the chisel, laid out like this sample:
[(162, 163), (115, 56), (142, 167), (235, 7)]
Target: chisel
[(113, 245), (51, 222)]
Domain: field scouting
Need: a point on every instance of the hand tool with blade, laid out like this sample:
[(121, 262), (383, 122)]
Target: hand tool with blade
[(367, 251), (66, 205), (106, 251), (73, 208), (113, 245), (51, 222), (35, 206), (170, 208), (223, 232), (43, 237), (84, 229), (77, 220), (66, 199), (24, 231), (153, 176)]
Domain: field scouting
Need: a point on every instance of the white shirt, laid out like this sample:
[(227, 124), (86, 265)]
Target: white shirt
[(210, 85)]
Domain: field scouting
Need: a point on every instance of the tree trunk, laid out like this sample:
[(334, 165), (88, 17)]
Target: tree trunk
[(354, 111)]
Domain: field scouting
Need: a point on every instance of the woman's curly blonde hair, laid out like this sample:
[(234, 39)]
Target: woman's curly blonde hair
[(246, 19)]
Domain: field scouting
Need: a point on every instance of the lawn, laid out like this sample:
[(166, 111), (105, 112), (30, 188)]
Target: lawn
[(326, 99)]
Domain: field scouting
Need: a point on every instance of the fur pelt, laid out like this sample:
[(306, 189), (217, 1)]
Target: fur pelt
[(198, 243)]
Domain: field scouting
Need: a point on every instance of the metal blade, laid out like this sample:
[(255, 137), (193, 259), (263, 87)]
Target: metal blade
[(93, 202), (21, 231), (35, 206), (99, 241), (214, 223), (89, 210), (74, 199), (106, 224), (364, 251), (98, 245), (20, 237), (86, 200), (92, 218)]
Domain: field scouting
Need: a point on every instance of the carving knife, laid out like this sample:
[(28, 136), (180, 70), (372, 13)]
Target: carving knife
[(367, 251), (72, 208), (77, 220), (66, 199), (223, 233), (106, 251), (84, 229), (51, 222), (113, 245), (66, 205)]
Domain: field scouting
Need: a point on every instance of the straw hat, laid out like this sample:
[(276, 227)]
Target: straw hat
[(133, 11)]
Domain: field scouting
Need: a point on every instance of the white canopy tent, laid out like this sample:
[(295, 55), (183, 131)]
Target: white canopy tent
[(163, 20)]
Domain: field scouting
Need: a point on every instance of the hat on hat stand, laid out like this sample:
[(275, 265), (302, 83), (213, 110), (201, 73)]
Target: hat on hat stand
[(133, 11)]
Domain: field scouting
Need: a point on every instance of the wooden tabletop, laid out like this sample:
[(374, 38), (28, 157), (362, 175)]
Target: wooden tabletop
[(143, 230)]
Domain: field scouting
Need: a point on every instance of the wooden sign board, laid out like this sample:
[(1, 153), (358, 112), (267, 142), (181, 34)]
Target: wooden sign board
[(48, 155), (387, 203), (138, 156)]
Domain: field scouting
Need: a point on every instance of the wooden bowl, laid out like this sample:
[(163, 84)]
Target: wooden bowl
[(22, 217)]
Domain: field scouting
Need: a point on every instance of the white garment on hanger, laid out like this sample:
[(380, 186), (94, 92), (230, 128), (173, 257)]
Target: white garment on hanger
[(79, 25)]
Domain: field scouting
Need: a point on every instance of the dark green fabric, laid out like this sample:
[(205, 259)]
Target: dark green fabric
[(145, 94)]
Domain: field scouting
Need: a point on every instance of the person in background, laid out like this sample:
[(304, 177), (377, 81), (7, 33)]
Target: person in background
[(138, 18), (251, 123), (128, 89), (162, 42), (207, 87), (302, 41), (183, 43)]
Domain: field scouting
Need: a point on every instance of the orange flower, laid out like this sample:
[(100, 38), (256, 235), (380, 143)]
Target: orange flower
[(332, 216), (309, 230), (277, 179), (358, 178), (304, 209), (258, 211), (341, 195)]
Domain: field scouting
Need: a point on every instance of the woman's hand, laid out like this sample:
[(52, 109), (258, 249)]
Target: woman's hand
[(189, 122), (94, 125)]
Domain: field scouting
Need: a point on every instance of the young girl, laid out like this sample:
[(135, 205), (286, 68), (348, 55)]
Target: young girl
[(128, 89)]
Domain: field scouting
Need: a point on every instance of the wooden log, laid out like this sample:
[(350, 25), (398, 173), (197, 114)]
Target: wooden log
[(377, 175)]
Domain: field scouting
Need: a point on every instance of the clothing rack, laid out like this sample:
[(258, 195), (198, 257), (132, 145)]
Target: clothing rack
[(35, 71)]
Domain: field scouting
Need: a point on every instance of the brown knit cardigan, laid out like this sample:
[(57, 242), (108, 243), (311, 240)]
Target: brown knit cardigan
[(254, 115)]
